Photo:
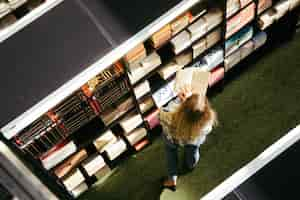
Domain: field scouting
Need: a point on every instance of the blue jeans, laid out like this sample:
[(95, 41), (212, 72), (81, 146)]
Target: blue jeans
[(191, 156)]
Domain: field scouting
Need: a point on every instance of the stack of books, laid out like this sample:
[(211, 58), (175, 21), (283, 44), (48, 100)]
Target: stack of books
[(136, 135), (105, 139), (73, 113), (161, 37), (142, 89), (238, 39), (238, 21), (153, 119), (263, 5), (169, 69), (57, 154), (113, 150), (181, 22), (135, 55), (131, 121), (257, 41), (39, 137), (147, 65), (206, 42), (234, 5), (216, 75), (181, 41), (112, 114), (70, 164), (146, 104), (73, 179)]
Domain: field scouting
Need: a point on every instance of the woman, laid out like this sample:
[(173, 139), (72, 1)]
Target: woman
[(185, 122)]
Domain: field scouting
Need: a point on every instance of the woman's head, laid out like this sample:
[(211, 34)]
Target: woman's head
[(191, 117)]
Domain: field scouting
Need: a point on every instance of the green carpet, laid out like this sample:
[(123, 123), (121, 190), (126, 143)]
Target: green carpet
[(256, 107)]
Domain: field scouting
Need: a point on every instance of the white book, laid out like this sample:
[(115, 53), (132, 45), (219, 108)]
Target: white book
[(151, 62), (213, 18), (136, 135), (163, 95), (282, 7), (198, 29), (104, 139), (142, 89), (232, 60), (131, 121), (199, 47), (181, 41), (93, 164), (73, 179), (184, 58), (115, 149), (193, 77), (77, 191), (59, 155), (169, 69)]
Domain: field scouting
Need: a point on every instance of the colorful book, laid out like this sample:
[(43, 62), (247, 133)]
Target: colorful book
[(93, 164), (238, 39), (161, 37), (216, 75), (58, 154), (69, 164), (73, 179), (180, 23), (142, 89), (136, 54), (106, 138), (136, 135), (153, 119), (131, 121), (238, 21)]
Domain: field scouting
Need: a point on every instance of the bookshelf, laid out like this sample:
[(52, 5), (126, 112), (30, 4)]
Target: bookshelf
[(61, 130)]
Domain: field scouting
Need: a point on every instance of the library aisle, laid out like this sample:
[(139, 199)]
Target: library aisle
[(258, 104)]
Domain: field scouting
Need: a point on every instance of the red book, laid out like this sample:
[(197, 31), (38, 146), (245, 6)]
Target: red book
[(153, 119), (216, 75)]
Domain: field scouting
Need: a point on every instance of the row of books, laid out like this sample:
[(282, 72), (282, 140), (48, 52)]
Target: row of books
[(276, 12), (8, 7), (234, 6)]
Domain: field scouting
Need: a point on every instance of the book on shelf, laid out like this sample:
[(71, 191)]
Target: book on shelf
[(169, 69), (106, 138), (232, 7), (7, 21), (93, 164), (281, 8), (247, 49), (207, 42), (142, 89), (135, 55), (136, 135), (239, 20), (212, 59), (161, 37), (238, 39), (181, 41), (193, 77), (103, 172), (197, 29), (69, 164), (184, 58), (14, 4), (181, 22), (213, 18), (216, 75), (148, 64), (267, 18), (146, 104), (58, 154), (131, 121), (232, 60), (263, 5), (259, 39), (153, 119), (73, 179), (113, 150), (112, 114), (77, 191), (163, 95), (141, 144)]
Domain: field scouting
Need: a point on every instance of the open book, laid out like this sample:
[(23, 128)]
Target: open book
[(195, 78)]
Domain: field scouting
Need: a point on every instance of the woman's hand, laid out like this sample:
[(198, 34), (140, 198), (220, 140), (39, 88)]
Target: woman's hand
[(185, 92)]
